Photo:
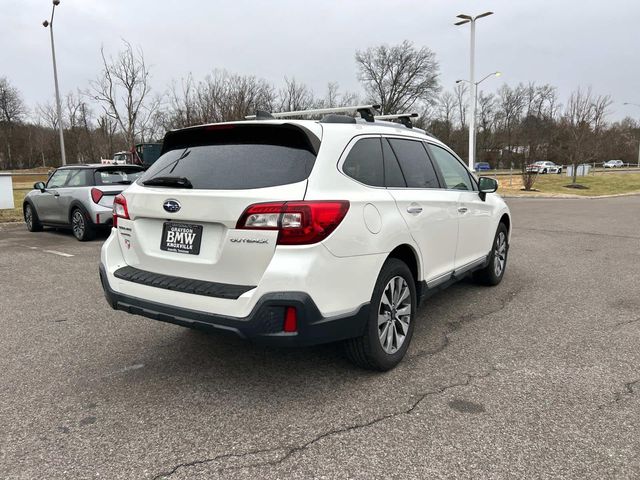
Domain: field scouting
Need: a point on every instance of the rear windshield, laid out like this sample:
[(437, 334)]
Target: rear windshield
[(232, 157), (116, 176)]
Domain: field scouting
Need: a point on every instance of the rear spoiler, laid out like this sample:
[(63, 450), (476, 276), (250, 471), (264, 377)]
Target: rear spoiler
[(203, 134)]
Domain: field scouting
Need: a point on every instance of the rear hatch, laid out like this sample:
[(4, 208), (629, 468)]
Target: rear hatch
[(184, 210)]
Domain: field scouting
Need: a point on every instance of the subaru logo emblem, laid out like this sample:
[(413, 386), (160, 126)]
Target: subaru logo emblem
[(171, 206)]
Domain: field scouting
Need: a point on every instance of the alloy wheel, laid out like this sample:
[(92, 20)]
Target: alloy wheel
[(500, 253), (28, 217), (77, 224), (394, 314)]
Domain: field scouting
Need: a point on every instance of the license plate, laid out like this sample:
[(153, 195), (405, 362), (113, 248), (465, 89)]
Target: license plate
[(181, 238)]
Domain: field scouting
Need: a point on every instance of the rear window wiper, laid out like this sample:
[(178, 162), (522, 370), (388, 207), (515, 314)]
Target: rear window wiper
[(177, 182)]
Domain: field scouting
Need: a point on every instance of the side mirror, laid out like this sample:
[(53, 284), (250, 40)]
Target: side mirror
[(39, 186), (487, 185)]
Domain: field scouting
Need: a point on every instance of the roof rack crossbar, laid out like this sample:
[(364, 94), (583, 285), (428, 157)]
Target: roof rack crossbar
[(403, 118), (365, 111)]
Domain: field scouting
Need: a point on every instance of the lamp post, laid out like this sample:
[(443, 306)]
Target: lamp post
[(635, 105), (474, 88), (472, 82), (49, 24)]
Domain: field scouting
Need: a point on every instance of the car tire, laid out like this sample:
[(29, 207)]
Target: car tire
[(31, 218), (494, 271), (544, 171), (559, 171), (81, 227), (385, 342)]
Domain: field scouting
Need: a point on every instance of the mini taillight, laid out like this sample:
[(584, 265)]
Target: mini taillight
[(96, 195), (298, 223), (120, 209), (290, 320)]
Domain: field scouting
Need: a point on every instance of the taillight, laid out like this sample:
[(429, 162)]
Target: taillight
[(298, 223), (119, 209), (96, 195)]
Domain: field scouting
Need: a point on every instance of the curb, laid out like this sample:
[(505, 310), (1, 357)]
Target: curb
[(570, 197)]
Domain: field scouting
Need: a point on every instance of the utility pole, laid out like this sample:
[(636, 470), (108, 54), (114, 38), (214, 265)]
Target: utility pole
[(49, 24)]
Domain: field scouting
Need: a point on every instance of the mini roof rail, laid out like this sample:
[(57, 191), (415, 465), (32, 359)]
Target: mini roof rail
[(403, 118), (365, 111)]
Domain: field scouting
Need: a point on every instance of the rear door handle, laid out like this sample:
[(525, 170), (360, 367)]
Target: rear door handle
[(414, 209), (463, 209)]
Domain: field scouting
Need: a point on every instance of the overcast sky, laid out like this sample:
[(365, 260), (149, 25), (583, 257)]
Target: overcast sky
[(567, 43)]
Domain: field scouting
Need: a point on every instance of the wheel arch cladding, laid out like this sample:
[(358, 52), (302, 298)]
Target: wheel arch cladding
[(408, 255), (507, 221)]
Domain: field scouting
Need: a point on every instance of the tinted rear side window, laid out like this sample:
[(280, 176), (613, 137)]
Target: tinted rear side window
[(416, 166), (232, 157), (364, 162)]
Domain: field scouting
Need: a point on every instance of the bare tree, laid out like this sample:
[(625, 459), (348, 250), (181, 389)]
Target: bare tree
[(221, 96), (461, 91), (398, 76), (486, 121), (12, 111), (583, 119), (335, 98), (47, 114), (295, 96), (512, 103), (122, 89), (244, 94), (12, 107), (443, 125)]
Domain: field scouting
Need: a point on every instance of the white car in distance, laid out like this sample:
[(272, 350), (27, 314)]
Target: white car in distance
[(613, 164), (543, 167)]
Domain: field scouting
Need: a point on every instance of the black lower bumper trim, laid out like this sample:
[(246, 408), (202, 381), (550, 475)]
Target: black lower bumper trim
[(181, 284), (263, 325)]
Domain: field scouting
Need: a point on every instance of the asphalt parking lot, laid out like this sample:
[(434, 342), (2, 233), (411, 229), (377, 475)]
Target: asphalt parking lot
[(536, 378)]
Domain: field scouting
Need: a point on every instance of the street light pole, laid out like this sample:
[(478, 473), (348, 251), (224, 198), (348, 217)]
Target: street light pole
[(635, 105), (474, 88), (55, 80), (472, 82)]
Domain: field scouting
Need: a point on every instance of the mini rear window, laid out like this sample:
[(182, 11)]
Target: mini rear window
[(116, 176), (234, 157)]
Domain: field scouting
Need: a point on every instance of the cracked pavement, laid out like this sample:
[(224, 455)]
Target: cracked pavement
[(537, 377)]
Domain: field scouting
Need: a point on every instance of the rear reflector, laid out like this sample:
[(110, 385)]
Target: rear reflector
[(290, 320), (298, 223), (96, 195)]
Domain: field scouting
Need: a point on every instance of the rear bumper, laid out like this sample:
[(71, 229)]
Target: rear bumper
[(263, 325)]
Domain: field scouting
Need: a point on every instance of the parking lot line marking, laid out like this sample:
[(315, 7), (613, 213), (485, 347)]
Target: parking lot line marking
[(55, 252)]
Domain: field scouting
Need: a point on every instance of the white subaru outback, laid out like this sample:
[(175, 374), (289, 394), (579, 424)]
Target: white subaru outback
[(300, 232)]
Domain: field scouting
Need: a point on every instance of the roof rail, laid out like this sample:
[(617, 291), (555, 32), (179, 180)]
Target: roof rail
[(366, 111), (403, 118)]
